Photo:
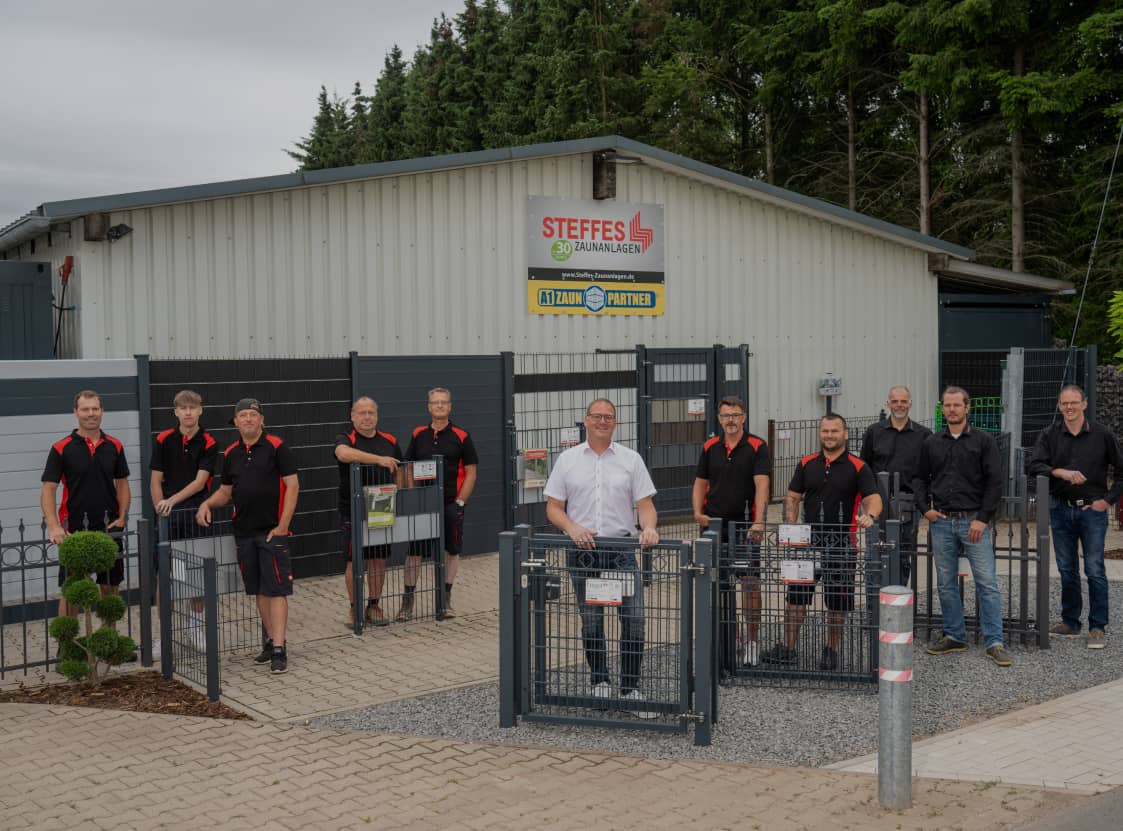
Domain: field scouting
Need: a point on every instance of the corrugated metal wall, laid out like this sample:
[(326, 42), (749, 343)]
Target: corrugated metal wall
[(435, 263)]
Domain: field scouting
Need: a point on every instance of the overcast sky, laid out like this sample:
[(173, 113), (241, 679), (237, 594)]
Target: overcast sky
[(101, 98)]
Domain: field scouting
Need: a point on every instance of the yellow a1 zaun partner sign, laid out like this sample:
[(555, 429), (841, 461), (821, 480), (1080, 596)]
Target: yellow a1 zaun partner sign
[(589, 257)]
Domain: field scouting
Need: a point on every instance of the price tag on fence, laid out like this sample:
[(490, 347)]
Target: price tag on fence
[(424, 471), (601, 592), (797, 571), (179, 570), (796, 536), (569, 437), (964, 567)]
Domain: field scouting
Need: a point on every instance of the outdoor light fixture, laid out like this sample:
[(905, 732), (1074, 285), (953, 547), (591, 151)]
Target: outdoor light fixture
[(117, 231)]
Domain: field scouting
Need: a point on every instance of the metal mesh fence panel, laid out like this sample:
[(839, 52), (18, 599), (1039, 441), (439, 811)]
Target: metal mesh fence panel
[(793, 439), (1045, 372), (609, 638), (395, 543), (551, 392), (799, 608)]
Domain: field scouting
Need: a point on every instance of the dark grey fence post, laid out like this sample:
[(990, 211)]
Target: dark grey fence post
[(210, 626), (713, 586), (510, 438), (1091, 358), (1043, 561), (704, 687), (439, 557), (358, 537), (522, 620), (144, 566), (894, 698), (508, 628), (167, 642)]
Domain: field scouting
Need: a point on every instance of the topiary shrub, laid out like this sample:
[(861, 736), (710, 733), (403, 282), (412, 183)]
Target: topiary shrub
[(89, 656)]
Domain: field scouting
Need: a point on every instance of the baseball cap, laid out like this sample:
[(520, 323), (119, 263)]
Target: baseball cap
[(246, 404)]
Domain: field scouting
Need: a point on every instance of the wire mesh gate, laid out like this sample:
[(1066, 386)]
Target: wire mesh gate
[(604, 636)]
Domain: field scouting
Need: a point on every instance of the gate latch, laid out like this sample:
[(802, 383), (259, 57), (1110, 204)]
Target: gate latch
[(694, 568), (697, 718)]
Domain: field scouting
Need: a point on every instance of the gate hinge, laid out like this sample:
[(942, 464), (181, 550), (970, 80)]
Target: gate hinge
[(694, 568), (697, 718)]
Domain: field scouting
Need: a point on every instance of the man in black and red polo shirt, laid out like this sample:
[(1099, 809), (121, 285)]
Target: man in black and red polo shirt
[(91, 466), (731, 484), (183, 463), (379, 454), (442, 437), (834, 486), (259, 475)]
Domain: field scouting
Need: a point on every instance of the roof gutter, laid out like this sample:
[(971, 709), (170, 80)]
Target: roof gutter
[(990, 276), (25, 228)]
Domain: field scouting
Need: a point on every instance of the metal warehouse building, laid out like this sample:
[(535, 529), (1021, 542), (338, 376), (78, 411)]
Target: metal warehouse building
[(431, 256)]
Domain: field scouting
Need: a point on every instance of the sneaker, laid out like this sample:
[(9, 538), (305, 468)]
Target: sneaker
[(779, 654), (375, 616), (1096, 639), (602, 690), (279, 661), (829, 659), (449, 611), (750, 654), (635, 697), (999, 655), (406, 611), (265, 655), (1064, 630), (946, 645)]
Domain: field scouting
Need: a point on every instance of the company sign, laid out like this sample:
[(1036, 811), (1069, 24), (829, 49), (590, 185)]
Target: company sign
[(594, 258)]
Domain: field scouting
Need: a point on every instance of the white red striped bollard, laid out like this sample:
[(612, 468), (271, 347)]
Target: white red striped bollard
[(894, 697)]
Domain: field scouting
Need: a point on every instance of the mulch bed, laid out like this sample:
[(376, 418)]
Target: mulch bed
[(142, 692)]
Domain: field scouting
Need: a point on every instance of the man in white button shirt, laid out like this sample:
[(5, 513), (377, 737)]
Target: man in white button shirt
[(597, 489)]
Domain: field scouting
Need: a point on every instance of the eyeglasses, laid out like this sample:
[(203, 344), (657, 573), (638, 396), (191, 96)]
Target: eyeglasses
[(730, 416), (605, 417), (1071, 403)]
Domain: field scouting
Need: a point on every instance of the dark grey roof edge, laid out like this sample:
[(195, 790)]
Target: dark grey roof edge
[(810, 202), (237, 187)]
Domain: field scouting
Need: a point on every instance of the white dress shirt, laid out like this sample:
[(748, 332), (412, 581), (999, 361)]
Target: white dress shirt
[(600, 492)]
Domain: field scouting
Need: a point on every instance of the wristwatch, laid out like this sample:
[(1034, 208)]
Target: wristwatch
[(460, 502)]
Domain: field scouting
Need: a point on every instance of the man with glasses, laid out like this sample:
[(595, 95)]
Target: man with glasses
[(893, 446), (592, 493), (1075, 454), (731, 483)]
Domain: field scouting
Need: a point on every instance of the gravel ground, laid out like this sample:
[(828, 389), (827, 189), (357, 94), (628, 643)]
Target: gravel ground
[(776, 726)]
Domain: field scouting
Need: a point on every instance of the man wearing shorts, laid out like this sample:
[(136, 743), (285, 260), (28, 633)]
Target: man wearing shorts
[(833, 486), (380, 455), (442, 437), (183, 463), (259, 475), (94, 475), (732, 483)]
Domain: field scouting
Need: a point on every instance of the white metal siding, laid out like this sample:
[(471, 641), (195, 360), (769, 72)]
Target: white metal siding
[(435, 262)]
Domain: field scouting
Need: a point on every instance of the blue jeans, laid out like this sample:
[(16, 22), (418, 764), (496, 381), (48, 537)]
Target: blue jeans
[(586, 564), (1089, 527), (947, 534)]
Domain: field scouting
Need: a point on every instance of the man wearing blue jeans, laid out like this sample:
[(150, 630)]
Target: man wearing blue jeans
[(1075, 454), (958, 486)]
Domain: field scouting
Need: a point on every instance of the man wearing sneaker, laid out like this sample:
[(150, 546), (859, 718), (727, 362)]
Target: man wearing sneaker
[(893, 446), (831, 485), (1075, 454), (442, 437), (259, 475), (731, 483), (184, 459), (597, 489), (958, 486), (380, 455)]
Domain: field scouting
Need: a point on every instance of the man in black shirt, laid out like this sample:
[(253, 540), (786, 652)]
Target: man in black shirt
[(833, 486), (1075, 454), (94, 475), (379, 454), (958, 487), (259, 475), (893, 446), (732, 481), (442, 437)]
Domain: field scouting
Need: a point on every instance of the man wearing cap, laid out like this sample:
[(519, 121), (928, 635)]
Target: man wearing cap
[(259, 475)]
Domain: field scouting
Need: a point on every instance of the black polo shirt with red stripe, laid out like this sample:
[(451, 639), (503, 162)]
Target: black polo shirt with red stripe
[(730, 472), (256, 473), (832, 491), (88, 472), (380, 444), (454, 444), (180, 458)]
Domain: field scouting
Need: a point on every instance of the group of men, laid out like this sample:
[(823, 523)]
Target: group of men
[(601, 489), (259, 476)]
